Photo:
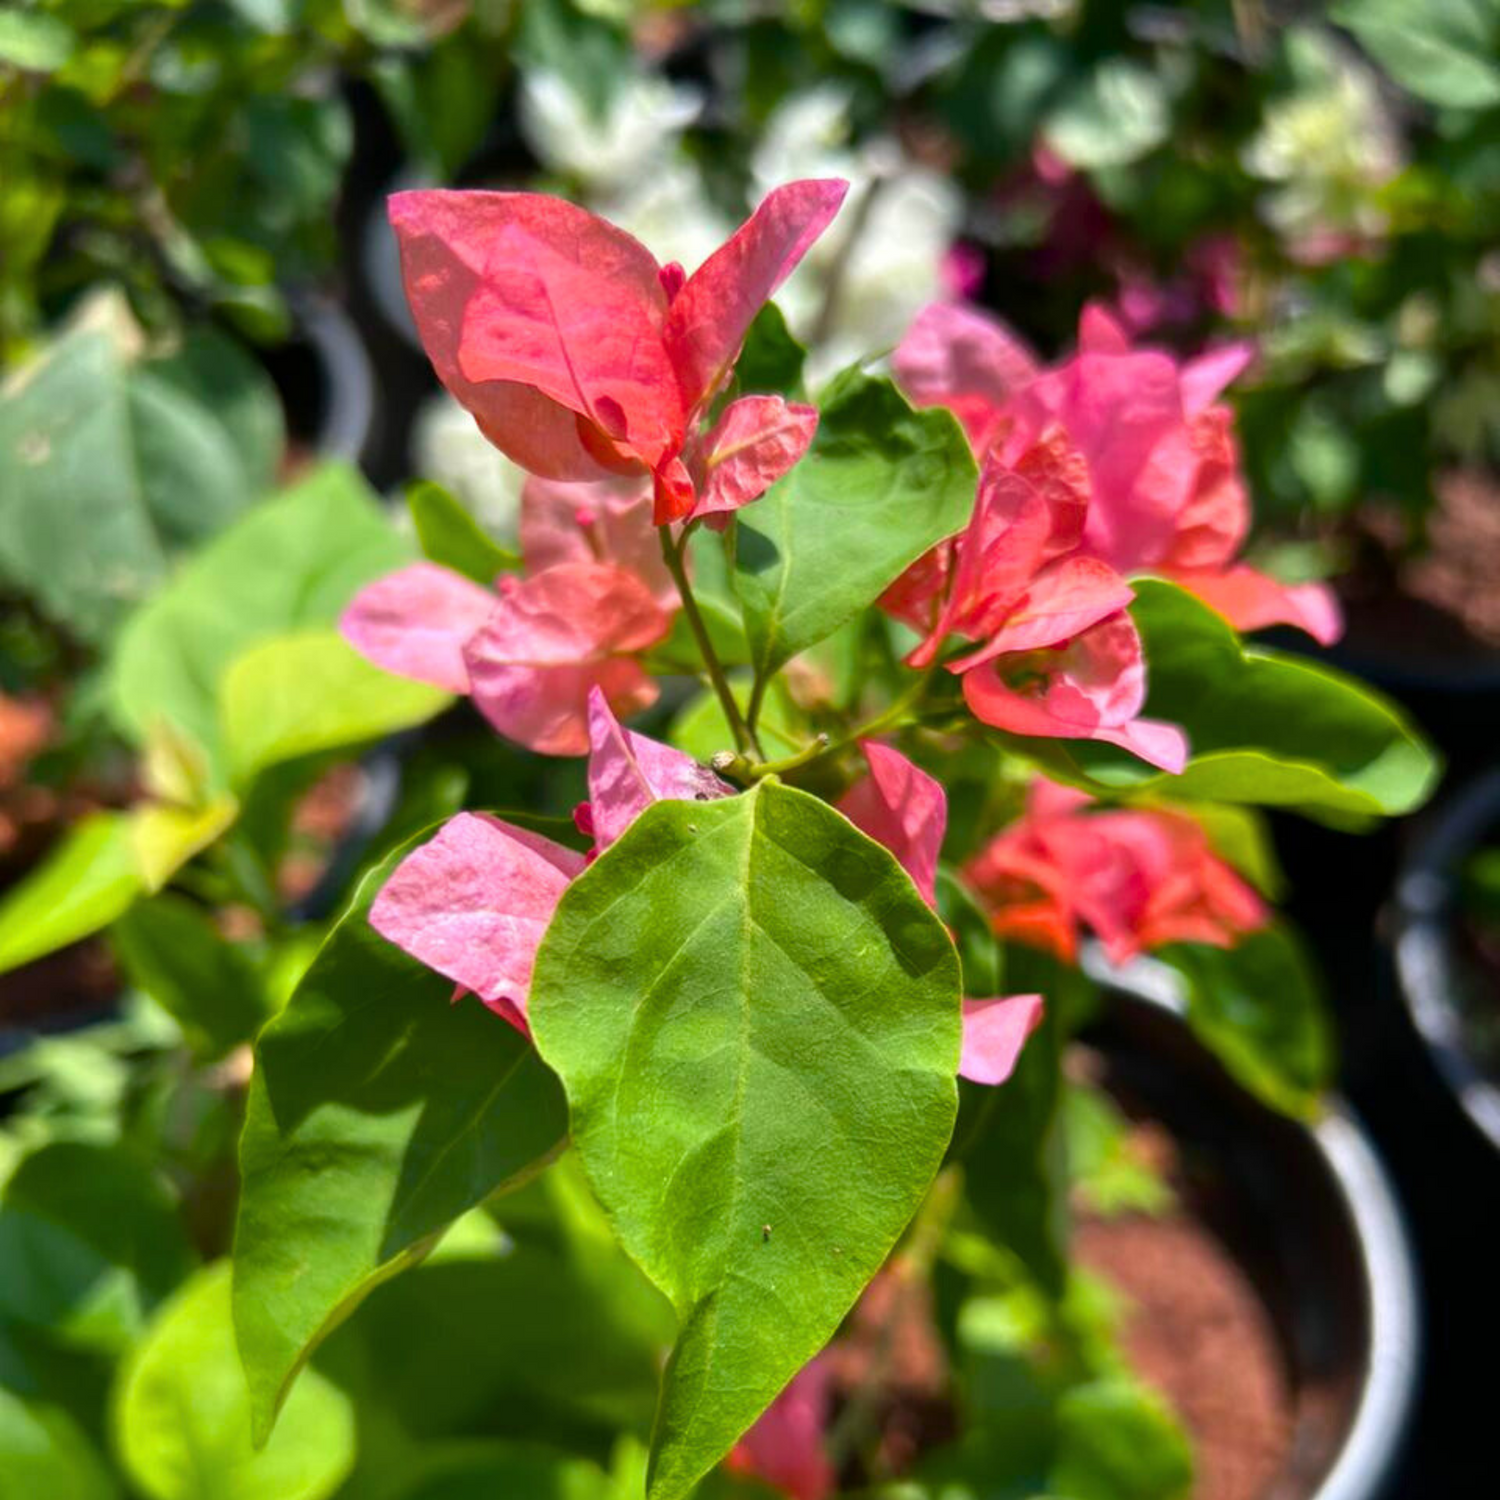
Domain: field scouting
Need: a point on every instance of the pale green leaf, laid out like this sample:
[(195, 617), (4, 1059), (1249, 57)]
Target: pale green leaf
[(88, 880), (298, 694), (292, 564), (182, 1413)]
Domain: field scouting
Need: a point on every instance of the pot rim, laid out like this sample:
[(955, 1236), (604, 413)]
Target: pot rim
[(347, 372), (380, 257), (1424, 960), (1367, 1456)]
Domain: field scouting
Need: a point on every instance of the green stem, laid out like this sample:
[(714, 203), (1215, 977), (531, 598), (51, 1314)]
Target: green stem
[(744, 736), (889, 718), (809, 753)]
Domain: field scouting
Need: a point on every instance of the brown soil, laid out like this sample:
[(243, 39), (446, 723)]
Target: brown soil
[(320, 821), (891, 1331), (1197, 1330), (1443, 600), (73, 983)]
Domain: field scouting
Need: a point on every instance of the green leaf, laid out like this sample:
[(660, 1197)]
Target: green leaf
[(973, 936), (1259, 1006), (106, 472), (90, 1242), (756, 1019), (1116, 1440), (292, 564), (879, 486), (1109, 1176), (182, 1413), (702, 730), (491, 1470), (517, 1345), (379, 1112), (1444, 51), (1240, 836), (1265, 727), (44, 1452), (1112, 117), (299, 694), (771, 360), (34, 41), (213, 369), (451, 536), (88, 880), (166, 836), (172, 951)]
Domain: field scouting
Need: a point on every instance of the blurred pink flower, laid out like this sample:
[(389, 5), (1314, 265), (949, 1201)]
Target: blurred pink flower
[(1138, 878), (528, 654), (785, 1447)]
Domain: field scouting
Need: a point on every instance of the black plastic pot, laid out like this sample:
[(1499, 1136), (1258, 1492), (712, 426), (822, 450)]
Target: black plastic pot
[(1309, 1213), (326, 379), (1428, 966)]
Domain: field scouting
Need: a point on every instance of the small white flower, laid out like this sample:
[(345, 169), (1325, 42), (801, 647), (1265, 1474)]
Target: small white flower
[(1330, 144), (886, 254)]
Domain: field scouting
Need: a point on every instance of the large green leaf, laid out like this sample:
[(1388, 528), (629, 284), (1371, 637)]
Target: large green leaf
[(1259, 1006), (379, 1112), (182, 1413), (879, 486), (87, 881), (1264, 727), (756, 1019), (44, 1452), (1444, 51), (298, 694), (106, 471), (90, 1241), (292, 564)]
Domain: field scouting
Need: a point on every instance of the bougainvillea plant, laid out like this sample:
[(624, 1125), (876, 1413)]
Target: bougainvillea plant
[(944, 681)]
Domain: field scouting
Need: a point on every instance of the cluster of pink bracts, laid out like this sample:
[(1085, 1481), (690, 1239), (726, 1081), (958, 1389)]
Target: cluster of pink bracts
[(1116, 462), (595, 369)]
